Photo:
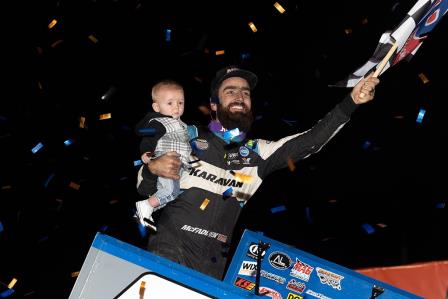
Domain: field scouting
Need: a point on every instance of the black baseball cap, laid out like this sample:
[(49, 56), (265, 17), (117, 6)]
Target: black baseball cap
[(232, 71)]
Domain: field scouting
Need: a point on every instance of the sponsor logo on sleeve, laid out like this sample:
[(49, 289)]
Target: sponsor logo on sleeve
[(280, 260), (329, 278), (244, 284), (268, 292), (253, 249), (248, 268), (272, 276), (296, 286), (301, 270), (244, 151), (317, 295)]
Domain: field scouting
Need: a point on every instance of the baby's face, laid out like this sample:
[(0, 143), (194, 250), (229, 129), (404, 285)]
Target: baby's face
[(170, 102)]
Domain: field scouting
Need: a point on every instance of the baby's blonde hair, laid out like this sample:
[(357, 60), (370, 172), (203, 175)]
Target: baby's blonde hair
[(164, 83)]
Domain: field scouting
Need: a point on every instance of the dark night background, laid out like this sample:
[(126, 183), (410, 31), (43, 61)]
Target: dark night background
[(383, 171)]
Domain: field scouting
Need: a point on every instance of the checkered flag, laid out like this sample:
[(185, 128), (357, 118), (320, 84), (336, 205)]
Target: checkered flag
[(401, 43)]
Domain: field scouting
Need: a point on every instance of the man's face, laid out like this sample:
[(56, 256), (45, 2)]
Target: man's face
[(234, 109), (234, 95)]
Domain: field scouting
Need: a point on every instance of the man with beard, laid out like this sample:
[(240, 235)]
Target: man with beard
[(195, 229)]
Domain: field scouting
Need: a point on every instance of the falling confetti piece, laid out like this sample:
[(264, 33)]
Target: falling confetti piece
[(6, 187), (56, 43), (204, 204), (12, 283), (204, 110), (105, 116), (142, 289), (423, 78), (220, 52), (291, 165), (147, 131), (114, 201), (1, 227), (253, 27), (82, 122), (381, 225), (241, 177), (93, 38), (73, 185), (52, 23), (36, 148), (278, 209), (228, 193), (74, 274), (365, 21), (348, 31), (420, 116), (39, 85), (279, 7), (368, 228)]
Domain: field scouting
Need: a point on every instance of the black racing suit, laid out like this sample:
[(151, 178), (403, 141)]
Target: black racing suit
[(195, 229)]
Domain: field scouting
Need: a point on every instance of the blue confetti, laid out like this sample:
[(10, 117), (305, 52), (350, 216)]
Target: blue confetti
[(142, 230), (440, 205), (6, 293), (278, 209), (68, 142), (147, 131), (308, 215), (420, 115), (50, 177), (168, 35), (37, 147), (368, 228), (138, 162), (228, 193), (1, 227), (366, 145)]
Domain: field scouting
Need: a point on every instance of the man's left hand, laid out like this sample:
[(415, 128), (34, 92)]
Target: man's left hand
[(364, 90)]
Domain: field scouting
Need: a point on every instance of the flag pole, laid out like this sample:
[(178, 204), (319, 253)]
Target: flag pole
[(382, 64), (386, 58)]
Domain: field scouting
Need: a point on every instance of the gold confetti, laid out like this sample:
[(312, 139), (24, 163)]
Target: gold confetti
[(73, 185), (12, 283), (253, 27), (74, 274), (204, 204), (52, 23), (82, 122), (204, 109), (423, 78), (220, 52), (53, 45), (105, 116), (291, 165), (348, 31), (93, 38), (279, 7), (142, 289), (241, 177)]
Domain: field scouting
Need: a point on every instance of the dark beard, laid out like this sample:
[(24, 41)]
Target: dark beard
[(231, 120)]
